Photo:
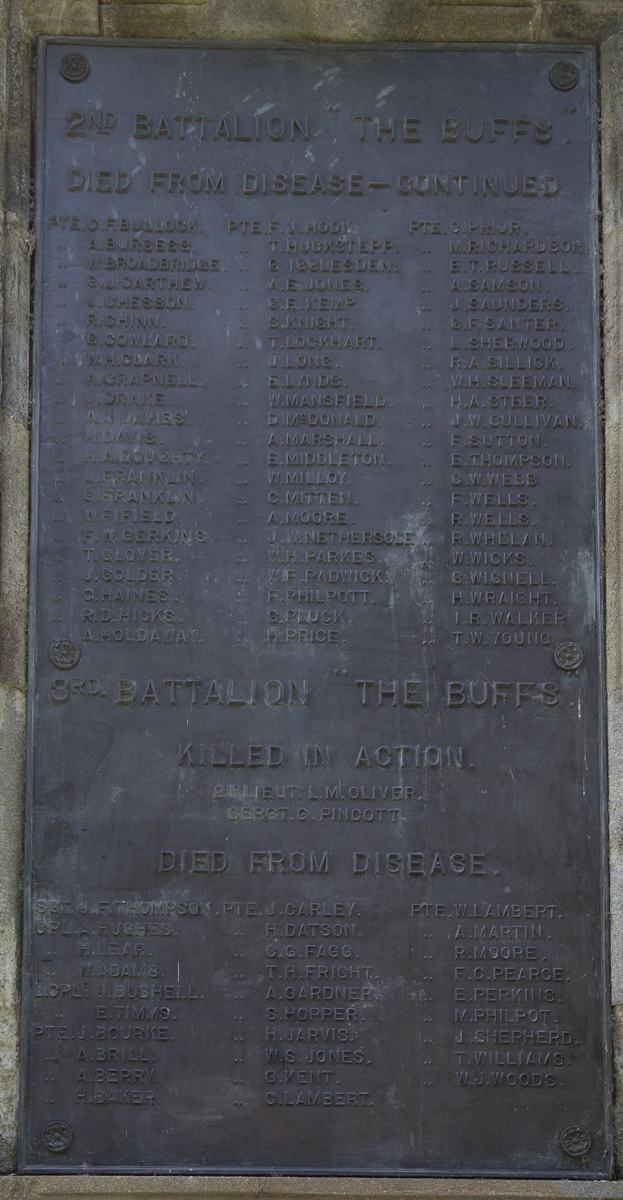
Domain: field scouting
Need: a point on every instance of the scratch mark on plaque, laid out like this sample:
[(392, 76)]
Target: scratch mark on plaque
[(383, 93), (328, 77)]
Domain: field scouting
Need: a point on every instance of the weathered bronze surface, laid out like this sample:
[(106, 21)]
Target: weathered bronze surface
[(315, 845)]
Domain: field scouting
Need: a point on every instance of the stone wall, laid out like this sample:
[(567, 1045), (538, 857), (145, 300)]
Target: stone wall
[(21, 21)]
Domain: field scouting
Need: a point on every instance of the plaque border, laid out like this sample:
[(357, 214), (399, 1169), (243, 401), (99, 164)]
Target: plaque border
[(597, 380)]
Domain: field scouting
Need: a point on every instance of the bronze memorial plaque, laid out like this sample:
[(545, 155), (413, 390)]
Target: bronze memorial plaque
[(316, 838)]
